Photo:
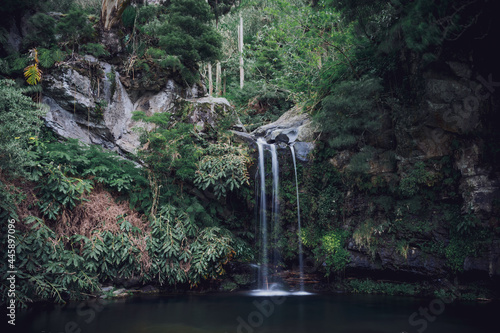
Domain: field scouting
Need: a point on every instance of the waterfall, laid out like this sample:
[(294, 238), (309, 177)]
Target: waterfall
[(275, 206), (301, 255), (269, 256), (263, 276)]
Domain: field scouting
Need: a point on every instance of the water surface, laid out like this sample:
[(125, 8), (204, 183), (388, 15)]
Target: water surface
[(242, 313)]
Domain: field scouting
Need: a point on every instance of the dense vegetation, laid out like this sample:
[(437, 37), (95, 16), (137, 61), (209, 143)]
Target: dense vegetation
[(87, 216)]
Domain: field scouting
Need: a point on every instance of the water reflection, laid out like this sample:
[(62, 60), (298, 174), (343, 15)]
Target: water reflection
[(244, 313)]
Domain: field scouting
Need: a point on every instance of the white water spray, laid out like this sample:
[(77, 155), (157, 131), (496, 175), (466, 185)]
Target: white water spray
[(301, 254)]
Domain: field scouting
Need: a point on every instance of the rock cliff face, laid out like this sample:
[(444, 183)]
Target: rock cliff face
[(451, 128), (88, 101)]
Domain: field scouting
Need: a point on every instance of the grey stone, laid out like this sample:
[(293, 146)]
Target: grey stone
[(302, 150), (74, 101), (119, 291), (293, 123)]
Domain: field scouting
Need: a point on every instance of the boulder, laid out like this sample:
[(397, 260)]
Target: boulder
[(297, 126), (293, 128)]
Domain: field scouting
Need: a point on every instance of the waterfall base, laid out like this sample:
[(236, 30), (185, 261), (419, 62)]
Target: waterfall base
[(276, 290)]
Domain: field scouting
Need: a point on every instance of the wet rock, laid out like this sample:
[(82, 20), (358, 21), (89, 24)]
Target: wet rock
[(302, 150), (283, 138), (433, 142), (297, 126), (467, 158)]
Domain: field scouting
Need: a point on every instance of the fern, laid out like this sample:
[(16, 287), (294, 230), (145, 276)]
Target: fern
[(33, 74)]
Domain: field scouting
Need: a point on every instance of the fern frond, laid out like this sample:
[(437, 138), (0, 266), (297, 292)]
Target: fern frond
[(33, 74)]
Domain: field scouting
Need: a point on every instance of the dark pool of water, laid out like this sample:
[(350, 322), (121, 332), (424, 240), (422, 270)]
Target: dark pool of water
[(248, 314)]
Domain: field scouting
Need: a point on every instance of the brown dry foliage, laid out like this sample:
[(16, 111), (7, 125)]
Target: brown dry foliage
[(98, 212)]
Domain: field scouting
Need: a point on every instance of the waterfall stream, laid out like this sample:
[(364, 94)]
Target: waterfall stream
[(275, 206), (269, 234), (301, 254), (264, 274)]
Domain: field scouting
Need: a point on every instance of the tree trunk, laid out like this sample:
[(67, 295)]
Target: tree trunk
[(218, 79), (111, 12), (240, 49), (210, 84)]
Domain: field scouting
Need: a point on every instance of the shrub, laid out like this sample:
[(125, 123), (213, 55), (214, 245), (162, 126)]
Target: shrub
[(223, 168), (20, 122)]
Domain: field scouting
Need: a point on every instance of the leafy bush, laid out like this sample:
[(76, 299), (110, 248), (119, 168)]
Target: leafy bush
[(410, 183), (58, 191), (183, 253), (20, 122), (332, 247), (328, 247), (48, 57), (222, 168), (46, 269), (102, 167)]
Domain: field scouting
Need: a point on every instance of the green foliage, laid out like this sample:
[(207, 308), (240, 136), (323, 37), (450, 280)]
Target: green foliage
[(41, 29), (46, 269), (222, 168), (350, 111), (184, 253), (74, 27), (468, 224), (103, 167), (365, 236), (178, 37), (128, 16), (410, 184), (467, 238), (170, 149), (48, 58), (456, 252), (58, 191), (20, 123), (330, 247), (384, 288), (267, 102), (359, 163), (95, 49)]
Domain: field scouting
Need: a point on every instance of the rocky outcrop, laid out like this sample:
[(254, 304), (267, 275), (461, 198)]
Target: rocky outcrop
[(294, 128), (294, 125), (88, 101)]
